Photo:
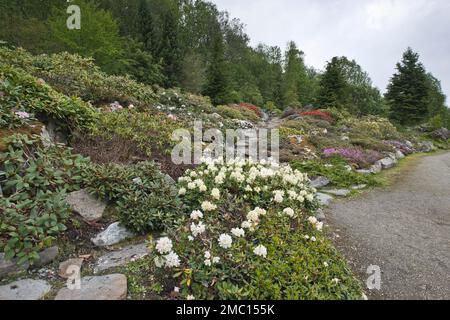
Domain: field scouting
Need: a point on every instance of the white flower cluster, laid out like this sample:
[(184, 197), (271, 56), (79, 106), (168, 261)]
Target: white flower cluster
[(317, 225), (168, 258), (267, 180)]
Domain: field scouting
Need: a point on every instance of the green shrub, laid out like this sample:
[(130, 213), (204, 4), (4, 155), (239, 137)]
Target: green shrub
[(23, 92), (32, 208), (229, 112), (145, 199), (337, 172), (150, 131), (209, 257)]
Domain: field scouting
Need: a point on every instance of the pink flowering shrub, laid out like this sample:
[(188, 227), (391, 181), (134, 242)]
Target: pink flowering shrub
[(355, 155)]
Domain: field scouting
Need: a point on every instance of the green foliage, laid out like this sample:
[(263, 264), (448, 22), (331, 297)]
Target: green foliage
[(145, 199), (150, 131), (237, 112), (300, 269), (77, 76), (337, 171), (344, 85), (22, 92), (408, 91), (33, 209), (98, 36)]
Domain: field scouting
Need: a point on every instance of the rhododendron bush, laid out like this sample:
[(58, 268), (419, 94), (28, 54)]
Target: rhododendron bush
[(243, 217)]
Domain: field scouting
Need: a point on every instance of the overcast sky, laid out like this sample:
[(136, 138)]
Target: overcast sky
[(373, 32)]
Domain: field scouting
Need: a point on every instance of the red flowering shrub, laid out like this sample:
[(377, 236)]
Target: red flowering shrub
[(319, 114), (251, 107)]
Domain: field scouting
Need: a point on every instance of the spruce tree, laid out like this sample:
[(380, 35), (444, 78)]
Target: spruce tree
[(408, 91), (217, 84), (332, 88)]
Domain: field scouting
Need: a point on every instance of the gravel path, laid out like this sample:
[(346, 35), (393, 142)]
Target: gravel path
[(405, 230)]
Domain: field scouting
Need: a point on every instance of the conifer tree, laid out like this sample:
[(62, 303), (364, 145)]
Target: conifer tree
[(217, 84), (332, 91), (408, 91)]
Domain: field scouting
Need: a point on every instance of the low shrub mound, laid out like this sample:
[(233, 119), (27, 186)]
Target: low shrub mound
[(33, 211), (23, 96), (250, 233), (144, 197)]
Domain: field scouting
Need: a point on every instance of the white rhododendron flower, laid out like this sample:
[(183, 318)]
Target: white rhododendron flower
[(196, 215), (289, 212), (312, 220), (198, 229), (164, 245), (208, 263), (225, 241), (207, 255), (278, 196), (182, 191), (246, 225), (319, 226), (191, 185), (215, 193), (260, 251), (208, 206), (310, 197), (216, 260), (190, 297), (172, 260), (238, 232)]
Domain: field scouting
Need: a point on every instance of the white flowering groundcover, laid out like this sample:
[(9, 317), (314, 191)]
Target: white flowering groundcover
[(249, 233)]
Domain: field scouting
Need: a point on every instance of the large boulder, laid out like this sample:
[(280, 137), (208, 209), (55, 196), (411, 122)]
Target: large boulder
[(26, 289), (86, 205), (114, 234), (110, 287)]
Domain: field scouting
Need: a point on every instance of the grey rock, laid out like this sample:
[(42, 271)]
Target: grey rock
[(320, 182), (27, 289), (320, 215), (324, 199), (364, 171), (45, 257), (426, 146), (377, 167), (338, 192), (7, 267), (399, 154), (110, 287), (121, 257), (86, 205), (67, 267), (114, 234), (359, 187), (169, 180), (388, 163)]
